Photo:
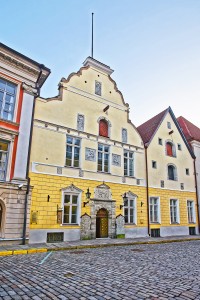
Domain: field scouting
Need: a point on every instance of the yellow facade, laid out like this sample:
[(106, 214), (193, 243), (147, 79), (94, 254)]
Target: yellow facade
[(120, 201)]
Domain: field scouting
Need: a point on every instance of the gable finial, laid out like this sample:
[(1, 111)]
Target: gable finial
[(92, 36)]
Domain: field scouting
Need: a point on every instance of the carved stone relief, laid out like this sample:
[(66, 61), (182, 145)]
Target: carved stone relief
[(124, 135), (80, 122), (116, 160), (120, 230), (103, 192), (90, 154)]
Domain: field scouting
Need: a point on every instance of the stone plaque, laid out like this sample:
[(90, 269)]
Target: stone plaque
[(90, 154), (80, 122), (124, 135), (116, 160), (34, 217), (53, 237)]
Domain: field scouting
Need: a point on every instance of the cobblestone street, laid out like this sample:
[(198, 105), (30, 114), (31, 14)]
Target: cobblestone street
[(157, 271)]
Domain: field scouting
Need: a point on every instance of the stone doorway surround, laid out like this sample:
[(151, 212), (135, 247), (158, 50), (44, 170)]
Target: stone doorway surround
[(102, 199)]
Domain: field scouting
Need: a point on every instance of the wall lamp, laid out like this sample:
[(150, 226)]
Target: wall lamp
[(142, 203), (88, 195), (125, 199)]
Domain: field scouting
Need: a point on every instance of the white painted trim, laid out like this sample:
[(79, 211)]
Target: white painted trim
[(178, 189), (98, 98), (78, 206), (159, 210), (178, 211), (193, 211), (33, 170)]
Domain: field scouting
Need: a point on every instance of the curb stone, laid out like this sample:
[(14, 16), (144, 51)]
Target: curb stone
[(41, 250)]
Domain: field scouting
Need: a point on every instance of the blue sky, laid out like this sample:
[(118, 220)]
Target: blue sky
[(153, 46)]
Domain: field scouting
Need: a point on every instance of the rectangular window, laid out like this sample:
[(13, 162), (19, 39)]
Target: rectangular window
[(3, 159), (154, 210), (128, 163), (174, 214), (179, 147), (129, 211), (103, 158), (160, 141), (187, 171), (169, 125), (7, 99), (190, 209), (73, 152), (70, 212), (154, 164)]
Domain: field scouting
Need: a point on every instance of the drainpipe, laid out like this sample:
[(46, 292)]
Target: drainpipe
[(28, 159), (197, 195), (147, 189)]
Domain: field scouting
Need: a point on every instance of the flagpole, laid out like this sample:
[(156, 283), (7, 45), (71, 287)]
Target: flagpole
[(92, 35)]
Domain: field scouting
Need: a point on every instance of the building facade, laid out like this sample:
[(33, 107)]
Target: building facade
[(172, 201), (192, 134), (20, 80), (87, 162)]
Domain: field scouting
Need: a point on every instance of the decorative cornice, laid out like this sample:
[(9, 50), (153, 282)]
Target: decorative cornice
[(18, 64), (29, 89)]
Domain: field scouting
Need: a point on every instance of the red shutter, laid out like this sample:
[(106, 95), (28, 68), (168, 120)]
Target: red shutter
[(103, 128), (169, 149)]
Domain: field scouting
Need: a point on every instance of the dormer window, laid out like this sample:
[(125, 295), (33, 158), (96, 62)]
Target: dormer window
[(103, 128), (170, 149)]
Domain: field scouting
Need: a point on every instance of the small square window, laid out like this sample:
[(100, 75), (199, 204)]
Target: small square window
[(169, 125), (187, 171), (182, 186), (160, 141), (162, 183), (179, 147), (154, 164)]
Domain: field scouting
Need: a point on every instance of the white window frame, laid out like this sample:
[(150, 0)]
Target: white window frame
[(134, 207), (103, 158), (73, 146), (177, 211), (173, 148), (193, 212), (70, 205), (16, 98), (175, 172), (7, 159), (158, 210), (128, 163)]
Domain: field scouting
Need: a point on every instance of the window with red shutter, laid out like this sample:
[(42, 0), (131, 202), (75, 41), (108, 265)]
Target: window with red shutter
[(169, 149), (103, 128)]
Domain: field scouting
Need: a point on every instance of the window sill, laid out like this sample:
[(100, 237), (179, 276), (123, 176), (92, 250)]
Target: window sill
[(174, 223), (72, 167), (69, 225), (127, 176), (102, 172), (155, 223)]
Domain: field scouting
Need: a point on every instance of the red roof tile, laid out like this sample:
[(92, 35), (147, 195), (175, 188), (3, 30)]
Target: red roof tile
[(190, 131), (148, 128)]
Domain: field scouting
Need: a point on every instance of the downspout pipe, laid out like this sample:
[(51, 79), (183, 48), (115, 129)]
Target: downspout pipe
[(28, 158), (197, 194), (147, 190)]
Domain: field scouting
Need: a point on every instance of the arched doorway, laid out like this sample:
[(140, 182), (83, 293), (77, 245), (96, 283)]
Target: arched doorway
[(102, 223)]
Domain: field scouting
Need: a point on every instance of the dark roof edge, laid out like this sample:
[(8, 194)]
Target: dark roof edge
[(181, 133), (148, 143), (25, 57)]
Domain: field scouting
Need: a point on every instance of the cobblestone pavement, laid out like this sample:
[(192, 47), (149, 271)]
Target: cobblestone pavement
[(157, 271)]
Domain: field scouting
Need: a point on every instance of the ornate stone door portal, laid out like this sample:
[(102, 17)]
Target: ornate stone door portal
[(101, 222)]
